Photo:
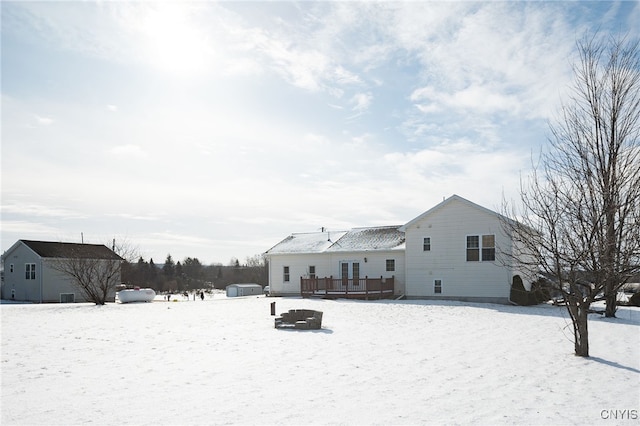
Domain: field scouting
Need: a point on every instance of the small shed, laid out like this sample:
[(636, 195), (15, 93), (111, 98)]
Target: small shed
[(234, 290)]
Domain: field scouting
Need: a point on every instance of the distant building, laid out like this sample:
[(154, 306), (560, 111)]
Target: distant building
[(249, 289), (29, 275)]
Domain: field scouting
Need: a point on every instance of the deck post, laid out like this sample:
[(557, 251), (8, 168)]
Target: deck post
[(393, 290), (366, 287)]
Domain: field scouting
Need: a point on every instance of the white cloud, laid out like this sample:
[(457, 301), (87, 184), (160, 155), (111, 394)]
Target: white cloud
[(27, 229), (44, 121), (24, 208), (361, 102), (129, 151), (505, 53), (474, 98)]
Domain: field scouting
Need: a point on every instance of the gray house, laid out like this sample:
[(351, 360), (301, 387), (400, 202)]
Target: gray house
[(29, 274)]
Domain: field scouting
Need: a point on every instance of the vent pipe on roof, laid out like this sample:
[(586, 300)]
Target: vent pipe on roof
[(82, 237)]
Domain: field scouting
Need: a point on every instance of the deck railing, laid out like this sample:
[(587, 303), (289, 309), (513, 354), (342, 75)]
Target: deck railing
[(363, 288)]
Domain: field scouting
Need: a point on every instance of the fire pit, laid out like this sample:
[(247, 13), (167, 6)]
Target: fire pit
[(302, 319)]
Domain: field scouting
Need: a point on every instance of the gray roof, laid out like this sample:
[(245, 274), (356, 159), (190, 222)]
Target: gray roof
[(357, 239), (71, 250)]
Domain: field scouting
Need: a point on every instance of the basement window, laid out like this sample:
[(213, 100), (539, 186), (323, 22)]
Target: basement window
[(67, 298)]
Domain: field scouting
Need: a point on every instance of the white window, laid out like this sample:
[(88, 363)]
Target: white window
[(286, 274), (488, 247), (312, 271), (30, 271), (485, 245), (437, 286), (473, 248), (426, 244)]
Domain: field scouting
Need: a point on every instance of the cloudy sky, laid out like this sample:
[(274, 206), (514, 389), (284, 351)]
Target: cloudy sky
[(214, 130)]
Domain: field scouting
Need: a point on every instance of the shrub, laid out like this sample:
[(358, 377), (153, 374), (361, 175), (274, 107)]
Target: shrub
[(540, 291), (519, 295)]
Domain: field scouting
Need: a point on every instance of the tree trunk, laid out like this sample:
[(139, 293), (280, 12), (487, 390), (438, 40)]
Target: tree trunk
[(611, 308), (579, 313), (610, 299)]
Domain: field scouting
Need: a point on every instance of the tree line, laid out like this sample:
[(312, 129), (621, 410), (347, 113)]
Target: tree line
[(190, 274)]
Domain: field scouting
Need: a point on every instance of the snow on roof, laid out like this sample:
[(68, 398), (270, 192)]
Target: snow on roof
[(357, 239), (315, 242), (366, 239)]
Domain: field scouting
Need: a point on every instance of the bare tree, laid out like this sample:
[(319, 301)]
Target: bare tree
[(580, 218), (124, 248), (93, 269)]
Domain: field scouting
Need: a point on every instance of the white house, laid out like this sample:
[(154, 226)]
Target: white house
[(454, 251), (29, 274)]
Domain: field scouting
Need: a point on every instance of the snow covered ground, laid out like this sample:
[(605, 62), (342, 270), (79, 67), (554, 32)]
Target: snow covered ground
[(220, 361)]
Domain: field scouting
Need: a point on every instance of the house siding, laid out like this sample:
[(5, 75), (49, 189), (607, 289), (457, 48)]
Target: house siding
[(15, 283), (328, 264), (57, 283), (298, 267), (447, 227)]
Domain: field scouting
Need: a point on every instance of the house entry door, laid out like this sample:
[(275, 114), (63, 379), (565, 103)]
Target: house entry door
[(350, 270)]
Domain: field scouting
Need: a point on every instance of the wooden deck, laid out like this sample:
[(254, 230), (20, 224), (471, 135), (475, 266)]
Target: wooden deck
[(334, 288)]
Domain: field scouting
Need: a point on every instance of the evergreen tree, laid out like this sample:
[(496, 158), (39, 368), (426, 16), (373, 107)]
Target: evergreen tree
[(169, 268)]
